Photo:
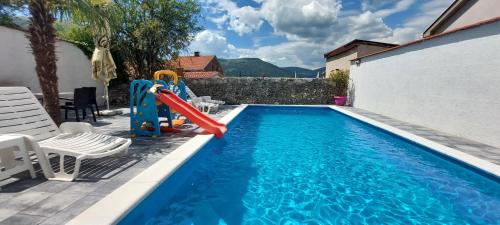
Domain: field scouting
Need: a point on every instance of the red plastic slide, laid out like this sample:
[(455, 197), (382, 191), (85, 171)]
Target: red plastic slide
[(194, 115)]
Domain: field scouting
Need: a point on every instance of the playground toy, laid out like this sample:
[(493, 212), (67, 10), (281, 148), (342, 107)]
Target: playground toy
[(152, 100)]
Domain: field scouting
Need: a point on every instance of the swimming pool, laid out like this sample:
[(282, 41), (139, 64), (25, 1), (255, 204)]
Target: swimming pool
[(313, 165)]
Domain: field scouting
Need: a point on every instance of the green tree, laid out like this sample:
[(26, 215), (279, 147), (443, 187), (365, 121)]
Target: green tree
[(7, 9), (154, 31), (42, 38)]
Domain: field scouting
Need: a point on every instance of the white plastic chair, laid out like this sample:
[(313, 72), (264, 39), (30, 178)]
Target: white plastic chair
[(22, 115)]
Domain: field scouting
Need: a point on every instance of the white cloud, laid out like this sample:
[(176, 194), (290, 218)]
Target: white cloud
[(398, 7), (298, 53), (311, 27), (220, 21), (245, 20), (301, 18), (241, 20), (413, 28), (211, 42)]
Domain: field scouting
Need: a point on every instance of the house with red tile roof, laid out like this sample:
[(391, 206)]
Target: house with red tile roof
[(198, 66)]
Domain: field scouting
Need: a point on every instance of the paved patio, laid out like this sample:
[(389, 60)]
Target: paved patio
[(38, 201)]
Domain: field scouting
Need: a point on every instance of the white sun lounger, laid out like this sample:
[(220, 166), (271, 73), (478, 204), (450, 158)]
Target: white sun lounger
[(208, 99), (204, 107), (204, 103), (22, 115)]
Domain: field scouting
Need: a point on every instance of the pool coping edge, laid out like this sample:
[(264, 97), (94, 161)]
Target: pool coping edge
[(470, 160), (115, 206)]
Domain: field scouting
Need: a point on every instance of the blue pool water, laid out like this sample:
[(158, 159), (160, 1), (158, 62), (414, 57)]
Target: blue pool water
[(301, 165)]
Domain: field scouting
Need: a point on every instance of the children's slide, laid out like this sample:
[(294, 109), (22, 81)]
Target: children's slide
[(191, 113)]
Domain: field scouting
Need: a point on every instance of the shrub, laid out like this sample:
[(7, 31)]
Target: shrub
[(340, 81)]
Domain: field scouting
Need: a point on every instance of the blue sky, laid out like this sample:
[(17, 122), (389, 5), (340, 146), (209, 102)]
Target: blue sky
[(299, 32)]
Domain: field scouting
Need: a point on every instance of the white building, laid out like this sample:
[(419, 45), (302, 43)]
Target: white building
[(448, 81), (17, 64)]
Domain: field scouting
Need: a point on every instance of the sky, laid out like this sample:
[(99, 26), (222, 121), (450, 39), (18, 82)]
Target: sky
[(299, 32)]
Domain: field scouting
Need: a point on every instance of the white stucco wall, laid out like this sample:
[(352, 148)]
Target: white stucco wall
[(17, 65), (449, 83)]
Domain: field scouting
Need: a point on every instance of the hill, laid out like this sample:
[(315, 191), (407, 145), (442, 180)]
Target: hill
[(252, 67)]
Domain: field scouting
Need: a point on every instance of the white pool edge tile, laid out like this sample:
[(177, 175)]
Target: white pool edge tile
[(112, 208), (483, 165)]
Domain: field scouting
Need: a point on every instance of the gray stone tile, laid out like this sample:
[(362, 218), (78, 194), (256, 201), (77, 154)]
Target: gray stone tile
[(52, 205), (131, 172), (24, 200), (21, 185), (6, 196), (6, 213), (82, 188), (51, 186), (108, 187), (21, 219), (71, 211)]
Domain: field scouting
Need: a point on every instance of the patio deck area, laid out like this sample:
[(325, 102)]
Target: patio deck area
[(38, 201)]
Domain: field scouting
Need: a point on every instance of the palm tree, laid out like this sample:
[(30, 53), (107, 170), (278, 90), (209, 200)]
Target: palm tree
[(42, 37)]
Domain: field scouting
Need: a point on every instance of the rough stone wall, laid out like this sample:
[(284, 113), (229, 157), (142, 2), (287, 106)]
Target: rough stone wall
[(119, 95), (250, 90)]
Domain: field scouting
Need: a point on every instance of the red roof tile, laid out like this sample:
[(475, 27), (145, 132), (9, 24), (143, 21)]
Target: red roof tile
[(192, 62), (201, 74)]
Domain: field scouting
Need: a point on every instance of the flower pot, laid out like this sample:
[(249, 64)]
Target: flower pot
[(340, 100)]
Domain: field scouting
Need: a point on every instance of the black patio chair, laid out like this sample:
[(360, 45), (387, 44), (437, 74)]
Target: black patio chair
[(80, 102), (93, 99)]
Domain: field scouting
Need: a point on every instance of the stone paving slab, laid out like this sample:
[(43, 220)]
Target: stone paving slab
[(480, 150), (39, 201)]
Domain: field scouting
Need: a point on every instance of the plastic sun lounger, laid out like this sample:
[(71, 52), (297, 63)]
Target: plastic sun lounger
[(208, 99), (22, 115)]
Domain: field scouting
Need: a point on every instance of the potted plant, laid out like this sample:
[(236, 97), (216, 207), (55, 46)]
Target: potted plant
[(340, 81)]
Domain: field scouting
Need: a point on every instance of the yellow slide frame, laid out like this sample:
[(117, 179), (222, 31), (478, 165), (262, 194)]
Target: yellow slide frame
[(172, 74)]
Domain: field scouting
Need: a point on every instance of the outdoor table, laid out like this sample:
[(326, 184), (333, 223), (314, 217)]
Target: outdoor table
[(64, 95)]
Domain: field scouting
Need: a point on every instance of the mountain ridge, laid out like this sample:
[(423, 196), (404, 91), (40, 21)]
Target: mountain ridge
[(255, 67)]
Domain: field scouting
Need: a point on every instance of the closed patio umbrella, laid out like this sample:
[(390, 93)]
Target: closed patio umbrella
[(103, 66)]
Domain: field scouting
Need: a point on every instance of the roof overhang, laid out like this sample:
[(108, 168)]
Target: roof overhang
[(353, 44), (450, 11)]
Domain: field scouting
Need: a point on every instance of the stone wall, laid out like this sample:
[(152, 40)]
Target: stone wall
[(250, 90), (119, 95)]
